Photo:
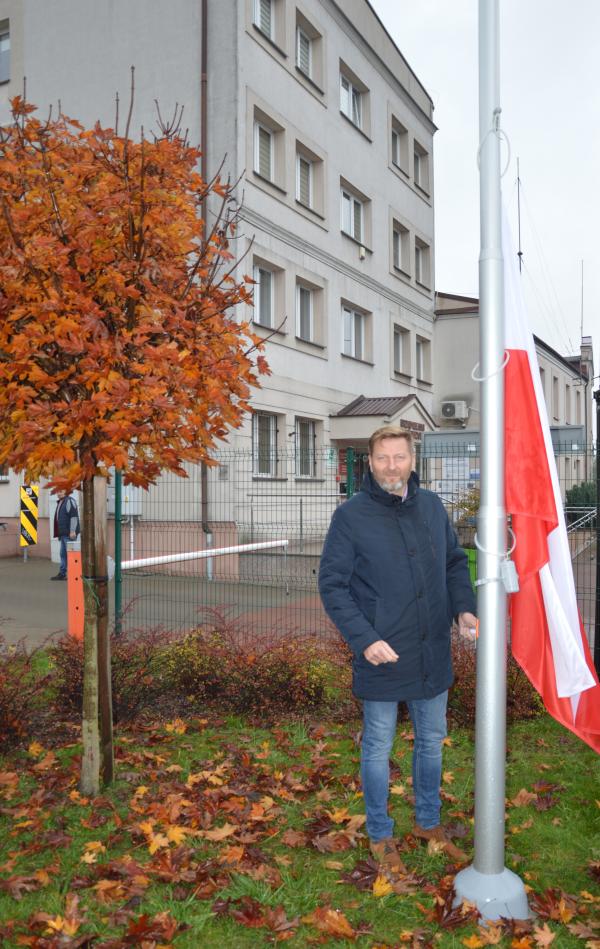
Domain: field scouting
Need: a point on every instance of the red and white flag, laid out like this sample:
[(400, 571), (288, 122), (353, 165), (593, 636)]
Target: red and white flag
[(548, 638)]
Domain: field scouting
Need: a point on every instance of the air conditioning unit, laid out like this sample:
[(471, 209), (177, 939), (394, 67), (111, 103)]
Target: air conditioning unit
[(457, 410)]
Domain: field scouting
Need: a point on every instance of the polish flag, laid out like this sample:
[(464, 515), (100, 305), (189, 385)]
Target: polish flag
[(548, 638)]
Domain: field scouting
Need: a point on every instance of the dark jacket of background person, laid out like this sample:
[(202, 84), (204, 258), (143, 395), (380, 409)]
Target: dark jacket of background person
[(66, 518), (392, 569)]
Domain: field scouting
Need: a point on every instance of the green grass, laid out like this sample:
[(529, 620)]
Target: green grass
[(305, 771)]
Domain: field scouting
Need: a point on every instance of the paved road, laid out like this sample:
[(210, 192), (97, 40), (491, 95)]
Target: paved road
[(32, 607)]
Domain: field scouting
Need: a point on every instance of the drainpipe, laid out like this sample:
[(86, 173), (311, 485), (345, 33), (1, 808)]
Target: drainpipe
[(204, 171)]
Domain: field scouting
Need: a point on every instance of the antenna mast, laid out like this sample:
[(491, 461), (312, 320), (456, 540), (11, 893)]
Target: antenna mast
[(519, 252)]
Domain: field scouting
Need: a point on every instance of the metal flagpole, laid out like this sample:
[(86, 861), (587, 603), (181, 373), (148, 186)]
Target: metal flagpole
[(494, 889)]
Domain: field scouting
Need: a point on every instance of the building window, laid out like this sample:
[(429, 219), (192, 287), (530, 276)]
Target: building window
[(399, 146), (264, 444), (543, 380), (352, 216), (350, 101), (263, 17), (354, 333), (401, 350), (304, 313), (421, 167), (423, 359), (303, 52), (263, 152), (568, 404), (264, 296), (4, 51), (555, 406), (304, 181), (3, 473), (422, 263), (401, 247), (578, 408), (306, 445)]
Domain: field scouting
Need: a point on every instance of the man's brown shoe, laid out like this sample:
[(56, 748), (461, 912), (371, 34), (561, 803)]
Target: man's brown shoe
[(439, 835), (386, 853)]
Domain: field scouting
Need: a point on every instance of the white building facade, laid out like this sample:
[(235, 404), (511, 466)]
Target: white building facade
[(567, 382), (315, 109)]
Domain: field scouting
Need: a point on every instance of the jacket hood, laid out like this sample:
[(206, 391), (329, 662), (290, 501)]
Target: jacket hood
[(374, 489)]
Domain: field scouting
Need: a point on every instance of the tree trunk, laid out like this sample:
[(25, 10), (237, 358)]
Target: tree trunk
[(90, 735), (104, 676)]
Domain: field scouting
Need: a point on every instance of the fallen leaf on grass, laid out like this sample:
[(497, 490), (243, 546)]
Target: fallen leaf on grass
[(219, 833), (330, 921), (473, 942), (522, 798), (294, 838), (382, 886), (17, 886), (584, 930), (543, 936)]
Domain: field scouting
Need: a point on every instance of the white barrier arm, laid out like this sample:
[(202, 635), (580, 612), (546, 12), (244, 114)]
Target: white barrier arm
[(201, 554)]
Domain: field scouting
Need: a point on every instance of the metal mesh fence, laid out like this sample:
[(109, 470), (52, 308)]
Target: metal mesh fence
[(287, 498)]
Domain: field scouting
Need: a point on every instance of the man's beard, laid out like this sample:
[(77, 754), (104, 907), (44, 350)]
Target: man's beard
[(392, 487)]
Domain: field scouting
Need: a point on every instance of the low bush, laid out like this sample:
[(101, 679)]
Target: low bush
[(136, 681), (522, 701), (270, 675), (23, 693)]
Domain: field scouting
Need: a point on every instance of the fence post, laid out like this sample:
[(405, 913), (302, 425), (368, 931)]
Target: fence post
[(349, 472), (597, 619), (301, 530), (118, 552)]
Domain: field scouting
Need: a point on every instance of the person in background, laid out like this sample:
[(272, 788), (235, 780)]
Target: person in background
[(392, 578), (66, 527)]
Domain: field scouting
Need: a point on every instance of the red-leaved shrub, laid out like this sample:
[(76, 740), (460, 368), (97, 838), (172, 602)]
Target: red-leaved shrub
[(23, 693)]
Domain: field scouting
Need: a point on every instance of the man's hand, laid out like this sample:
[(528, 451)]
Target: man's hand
[(467, 626), (380, 652), (72, 535)]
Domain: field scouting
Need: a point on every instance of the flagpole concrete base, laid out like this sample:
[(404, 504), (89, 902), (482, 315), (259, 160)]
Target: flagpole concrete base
[(494, 894)]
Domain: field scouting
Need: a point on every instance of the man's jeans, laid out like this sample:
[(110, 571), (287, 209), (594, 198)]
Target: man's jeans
[(64, 540), (379, 728)]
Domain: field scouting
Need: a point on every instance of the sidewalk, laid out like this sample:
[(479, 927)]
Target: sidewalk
[(32, 607)]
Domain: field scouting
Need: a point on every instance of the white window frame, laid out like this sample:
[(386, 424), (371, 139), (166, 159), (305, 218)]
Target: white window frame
[(5, 54), (422, 263), (418, 263), (258, 17), (353, 333), (422, 353), (259, 468), (352, 211), (350, 101), (300, 289), (420, 167), (396, 148), (401, 247), (299, 159), (258, 128), (401, 349), (259, 269), (306, 457), (300, 35)]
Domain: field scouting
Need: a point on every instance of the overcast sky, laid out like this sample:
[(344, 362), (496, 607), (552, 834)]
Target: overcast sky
[(550, 98)]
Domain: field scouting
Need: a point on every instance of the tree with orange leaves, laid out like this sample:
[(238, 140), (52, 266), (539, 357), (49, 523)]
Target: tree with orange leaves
[(118, 343)]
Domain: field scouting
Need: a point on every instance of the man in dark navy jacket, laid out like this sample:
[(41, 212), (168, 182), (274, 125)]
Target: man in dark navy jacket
[(392, 578)]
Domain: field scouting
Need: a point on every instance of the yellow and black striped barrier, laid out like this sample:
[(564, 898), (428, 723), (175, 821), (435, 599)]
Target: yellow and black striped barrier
[(29, 514)]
